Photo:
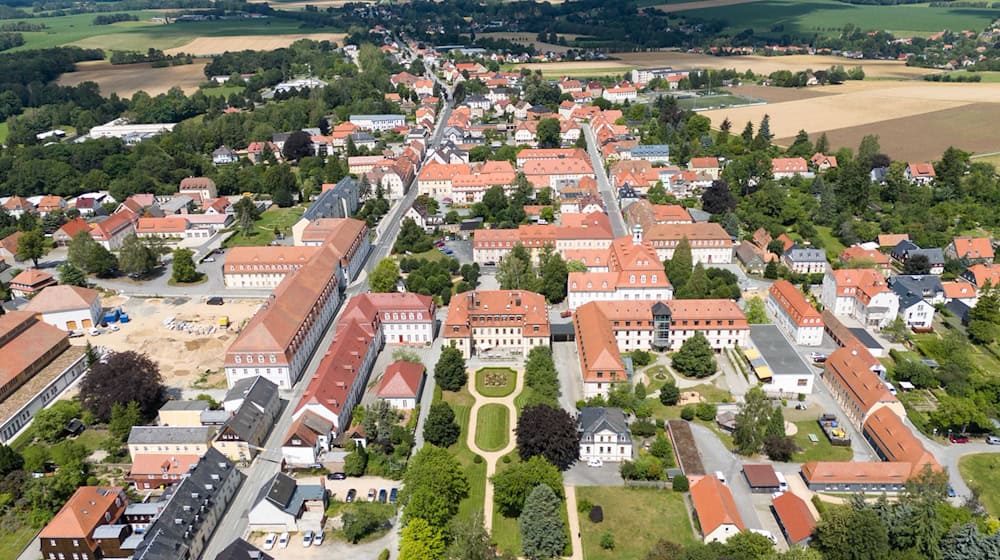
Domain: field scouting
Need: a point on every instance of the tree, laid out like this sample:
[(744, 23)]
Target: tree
[(122, 377), (771, 270), (10, 460), (917, 264), (363, 520), (664, 549), (779, 448), (852, 534), (281, 183), (657, 194), (412, 238), (184, 270), (695, 358), (420, 540), (549, 432), (543, 532), (385, 276), (669, 394), (70, 275), (134, 257), (123, 417), (50, 423), (718, 198), (554, 278), (31, 246), (449, 372), (440, 427), (470, 540), (697, 286), (747, 545), (823, 144), (298, 145), (434, 484), (547, 133), (680, 265), (246, 214), (356, 460), (751, 421), (755, 311), (512, 485), (801, 147), (775, 423)]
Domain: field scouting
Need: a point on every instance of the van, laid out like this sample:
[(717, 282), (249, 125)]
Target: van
[(782, 483)]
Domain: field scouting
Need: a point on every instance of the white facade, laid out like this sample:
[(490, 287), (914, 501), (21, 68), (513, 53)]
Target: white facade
[(73, 319), (716, 253), (378, 122), (919, 315), (580, 293), (265, 516), (606, 447), (411, 332), (620, 95), (877, 310), (803, 335), (400, 403)]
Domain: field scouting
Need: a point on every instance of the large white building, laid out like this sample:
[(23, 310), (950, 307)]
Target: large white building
[(501, 323), (378, 122), (604, 435), (67, 307), (794, 315), (710, 244), (861, 293)]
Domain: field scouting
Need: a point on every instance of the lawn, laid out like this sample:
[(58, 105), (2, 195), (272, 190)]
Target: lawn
[(522, 398), (822, 451), (263, 232), (13, 542), (492, 427), (507, 532), (495, 382), (982, 473), (713, 101), (987, 77), (831, 244), (636, 517), (461, 403), (3, 132)]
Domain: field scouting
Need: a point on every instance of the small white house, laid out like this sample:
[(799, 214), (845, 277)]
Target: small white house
[(402, 384), (307, 440), (67, 307), (604, 435), (285, 505)]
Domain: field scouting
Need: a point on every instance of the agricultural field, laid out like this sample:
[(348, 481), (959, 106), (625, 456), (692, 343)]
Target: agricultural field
[(126, 79), (768, 64), (582, 69), (684, 6), (636, 518), (205, 46), (530, 39), (776, 17)]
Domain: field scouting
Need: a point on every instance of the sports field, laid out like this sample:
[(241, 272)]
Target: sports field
[(776, 17)]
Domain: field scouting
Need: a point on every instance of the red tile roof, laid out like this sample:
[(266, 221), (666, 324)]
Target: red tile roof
[(973, 248), (856, 252), (795, 304), (505, 308), (789, 165), (896, 442), (62, 298), (33, 277), (84, 511), (760, 476), (401, 380), (850, 472), (25, 342), (714, 504), (851, 370), (795, 517), (74, 226)]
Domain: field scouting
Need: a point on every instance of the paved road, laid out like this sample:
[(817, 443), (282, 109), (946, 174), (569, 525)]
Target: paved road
[(608, 193), (715, 457)]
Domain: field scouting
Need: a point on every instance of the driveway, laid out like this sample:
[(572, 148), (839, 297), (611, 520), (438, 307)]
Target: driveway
[(604, 186), (570, 379), (581, 475), (715, 457)]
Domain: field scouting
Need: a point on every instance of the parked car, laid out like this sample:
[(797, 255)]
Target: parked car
[(318, 539), (283, 540), (720, 476), (449, 252), (75, 334), (951, 492), (94, 332), (566, 313), (336, 476), (269, 541), (993, 440), (439, 243), (371, 494), (393, 494), (215, 301), (113, 328), (208, 259), (383, 496), (351, 494), (595, 462), (958, 438), (307, 539)]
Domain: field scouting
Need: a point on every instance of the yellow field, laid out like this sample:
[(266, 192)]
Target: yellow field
[(126, 79), (768, 64), (529, 39), (700, 5), (205, 46)]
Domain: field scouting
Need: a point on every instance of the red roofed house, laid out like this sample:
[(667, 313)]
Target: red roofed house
[(982, 274), (850, 374), (402, 384), (51, 203), (794, 314), (151, 470), (111, 232), (716, 510), (30, 281), (8, 247), (856, 254), (862, 293), (972, 249), (200, 188), (17, 205), (64, 234), (707, 165), (67, 307), (920, 173), (786, 168), (822, 162), (496, 322), (794, 517), (70, 534)]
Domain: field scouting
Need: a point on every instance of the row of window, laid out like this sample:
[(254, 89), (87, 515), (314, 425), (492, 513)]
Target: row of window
[(419, 316), (269, 267)]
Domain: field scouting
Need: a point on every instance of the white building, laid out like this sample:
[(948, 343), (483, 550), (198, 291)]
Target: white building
[(621, 94), (861, 293), (794, 315), (604, 435), (635, 272), (131, 133), (378, 122), (402, 384), (67, 307)]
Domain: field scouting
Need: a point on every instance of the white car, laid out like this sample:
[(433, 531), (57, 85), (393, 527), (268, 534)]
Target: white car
[(269, 541), (94, 332), (318, 539), (113, 328), (595, 462), (720, 476), (307, 538), (283, 540)]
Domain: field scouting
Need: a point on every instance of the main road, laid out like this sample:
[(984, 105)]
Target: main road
[(603, 185), (233, 524)]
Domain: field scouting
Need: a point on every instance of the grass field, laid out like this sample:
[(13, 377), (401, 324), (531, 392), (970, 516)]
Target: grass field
[(461, 403), (492, 427), (831, 244), (982, 473), (507, 531), (263, 233), (3, 132), (496, 391), (13, 542), (636, 518), (822, 451), (713, 101), (828, 17)]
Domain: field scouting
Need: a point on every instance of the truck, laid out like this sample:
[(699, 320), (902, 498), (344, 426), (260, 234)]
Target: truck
[(833, 430)]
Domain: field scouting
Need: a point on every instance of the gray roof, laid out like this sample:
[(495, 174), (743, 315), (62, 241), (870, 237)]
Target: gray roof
[(286, 494), (242, 550), (934, 255), (864, 337), (699, 215), (108, 531), (176, 203), (913, 289), (185, 405), (328, 204), (798, 253), (257, 390), (595, 419), (747, 256), (169, 434), (650, 150), (243, 422), (214, 416), (777, 352), (142, 508)]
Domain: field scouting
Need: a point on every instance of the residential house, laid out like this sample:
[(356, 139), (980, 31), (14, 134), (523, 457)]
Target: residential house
[(245, 432), (787, 168), (67, 231), (29, 282), (284, 504), (917, 297), (794, 315), (710, 244), (707, 165), (240, 549), (890, 240), (646, 214), (621, 94), (604, 435), (308, 438), (861, 293), (982, 275), (960, 291), (402, 385), (49, 204), (181, 413), (198, 188), (17, 205), (906, 250), (378, 122), (224, 155), (67, 307), (654, 153), (973, 250), (822, 162), (8, 248), (496, 322), (749, 257), (169, 439), (857, 255), (804, 260), (920, 173), (112, 231), (70, 534), (715, 508), (150, 471)]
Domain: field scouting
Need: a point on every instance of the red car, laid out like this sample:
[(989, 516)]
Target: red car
[(566, 313), (955, 438)]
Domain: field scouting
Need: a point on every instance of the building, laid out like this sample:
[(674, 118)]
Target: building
[(67, 307), (71, 533), (263, 267), (893, 441), (796, 521), (715, 508), (646, 214), (707, 165), (340, 200), (761, 479), (496, 323), (858, 256), (224, 155), (192, 511), (150, 471), (654, 153), (973, 250), (350, 238), (906, 250), (131, 133), (180, 413), (169, 439), (577, 231), (604, 435), (634, 272), (198, 188), (245, 432), (823, 162), (794, 315), (710, 244), (283, 504), (378, 122), (787, 168), (621, 94), (402, 384), (777, 364), (17, 205), (861, 293), (65, 233), (112, 231), (240, 549), (917, 296), (804, 260), (920, 173), (982, 275), (849, 373), (830, 476), (30, 282), (308, 438)]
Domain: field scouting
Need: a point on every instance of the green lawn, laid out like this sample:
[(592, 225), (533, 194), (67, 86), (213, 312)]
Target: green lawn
[(822, 451), (13, 542), (3, 132), (982, 473), (522, 398), (831, 244), (492, 427), (263, 233), (636, 517), (461, 403), (507, 532), (713, 101), (494, 375), (828, 17)]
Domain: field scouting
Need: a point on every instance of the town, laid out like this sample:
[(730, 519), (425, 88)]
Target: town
[(402, 301)]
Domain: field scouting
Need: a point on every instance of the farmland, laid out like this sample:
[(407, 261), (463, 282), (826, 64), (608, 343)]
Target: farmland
[(530, 39), (126, 79), (767, 64), (204, 46)]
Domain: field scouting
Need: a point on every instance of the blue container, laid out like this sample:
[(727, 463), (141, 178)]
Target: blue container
[(123, 318)]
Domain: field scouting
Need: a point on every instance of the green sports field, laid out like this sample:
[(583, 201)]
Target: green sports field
[(776, 17)]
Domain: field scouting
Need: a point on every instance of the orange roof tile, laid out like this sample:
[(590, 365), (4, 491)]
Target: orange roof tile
[(895, 442), (162, 464), (850, 472), (600, 360), (856, 252), (34, 277), (703, 163), (795, 304), (167, 224), (84, 511), (503, 308), (795, 516), (62, 298), (74, 226), (851, 370), (267, 258), (973, 248), (401, 380), (957, 290), (714, 504), (24, 342)]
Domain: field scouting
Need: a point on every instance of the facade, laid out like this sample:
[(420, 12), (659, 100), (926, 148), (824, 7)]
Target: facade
[(65, 233), (849, 373), (604, 435), (634, 272), (916, 310), (169, 439), (245, 432), (496, 322), (402, 385), (201, 188), (378, 122), (283, 504), (67, 307), (308, 438), (794, 315), (577, 231), (263, 267), (112, 231), (150, 471), (716, 510), (350, 238), (710, 244), (180, 413), (71, 533), (804, 260), (861, 293)]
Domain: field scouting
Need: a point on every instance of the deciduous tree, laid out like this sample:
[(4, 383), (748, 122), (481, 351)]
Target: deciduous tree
[(669, 394), (421, 540), (470, 540), (31, 246), (135, 257), (680, 265), (434, 484), (385, 276), (449, 372), (122, 377), (440, 427), (123, 417), (246, 214), (512, 485), (549, 432), (695, 357), (184, 270), (547, 133), (70, 275)]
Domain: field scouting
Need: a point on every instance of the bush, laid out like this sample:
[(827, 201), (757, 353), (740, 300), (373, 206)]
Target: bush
[(802, 397), (643, 428), (584, 505), (680, 483), (688, 412), (779, 448), (505, 459), (478, 459), (608, 541), (669, 394), (706, 411), (384, 555), (580, 404), (641, 358)]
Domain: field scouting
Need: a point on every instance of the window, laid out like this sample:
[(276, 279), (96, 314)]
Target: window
[(274, 359), (237, 358)]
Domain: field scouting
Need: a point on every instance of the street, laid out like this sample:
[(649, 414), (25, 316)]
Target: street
[(607, 192)]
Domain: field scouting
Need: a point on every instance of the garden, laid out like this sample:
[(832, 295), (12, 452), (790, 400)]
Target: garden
[(634, 519), (492, 382), (492, 427), (982, 473)]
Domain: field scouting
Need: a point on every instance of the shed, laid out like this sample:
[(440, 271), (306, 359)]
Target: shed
[(761, 478)]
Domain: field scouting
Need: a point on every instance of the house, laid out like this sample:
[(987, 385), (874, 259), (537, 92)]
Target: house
[(715, 508), (263, 267), (112, 231), (861, 293), (761, 479), (284, 504), (751, 259), (604, 435), (710, 243), (8, 248), (804, 260), (920, 173), (150, 471), (647, 214), (796, 317), (849, 373), (402, 384), (199, 188), (621, 94), (17, 205), (259, 391), (171, 227), (496, 322), (823, 162), (29, 282), (244, 433), (982, 275), (917, 297), (240, 549), (973, 250), (787, 168), (856, 256), (169, 439), (707, 165), (906, 250), (960, 291), (890, 240), (224, 156), (577, 231), (181, 412), (654, 153), (65, 233), (378, 122), (70, 534), (308, 438), (49, 204), (67, 307), (794, 517)]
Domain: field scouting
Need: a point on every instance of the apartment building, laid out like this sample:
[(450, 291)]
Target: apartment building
[(462, 182), (710, 244), (160, 440), (263, 268), (496, 322), (633, 272), (74, 531), (112, 231), (794, 315), (850, 374), (861, 293), (576, 232)]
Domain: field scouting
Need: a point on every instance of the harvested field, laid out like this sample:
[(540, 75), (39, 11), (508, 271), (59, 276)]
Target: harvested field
[(205, 46), (688, 458), (126, 79), (778, 94), (925, 137), (529, 39), (700, 5), (769, 64)]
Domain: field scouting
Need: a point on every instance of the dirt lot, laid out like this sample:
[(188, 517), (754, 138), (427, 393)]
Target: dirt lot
[(205, 46), (183, 357), (126, 79), (778, 94), (768, 64), (529, 38), (700, 5)]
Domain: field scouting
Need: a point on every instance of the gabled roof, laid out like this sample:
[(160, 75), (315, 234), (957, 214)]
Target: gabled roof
[(84, 512), (401, 380), (714, 504), (794, 515), (594, 419), (62, 298), (74, 226), (973, 248), (240, 549), (31, 277)]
